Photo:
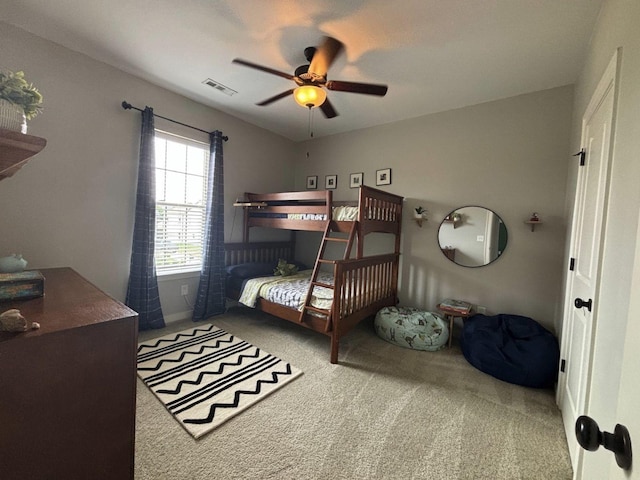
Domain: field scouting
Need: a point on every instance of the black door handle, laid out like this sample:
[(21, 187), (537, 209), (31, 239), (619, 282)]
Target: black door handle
[(619, 442), (579, 303)]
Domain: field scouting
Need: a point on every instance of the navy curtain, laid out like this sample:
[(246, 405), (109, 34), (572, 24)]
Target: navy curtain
[(142, 291), (211, 295)]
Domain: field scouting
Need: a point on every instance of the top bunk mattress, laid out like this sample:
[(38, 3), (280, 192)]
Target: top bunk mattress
[(342, 213)]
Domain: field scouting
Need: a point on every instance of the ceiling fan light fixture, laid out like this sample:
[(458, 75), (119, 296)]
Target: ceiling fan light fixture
[(309, 96)]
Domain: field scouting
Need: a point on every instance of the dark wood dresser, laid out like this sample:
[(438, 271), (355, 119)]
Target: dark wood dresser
[(68, 390)]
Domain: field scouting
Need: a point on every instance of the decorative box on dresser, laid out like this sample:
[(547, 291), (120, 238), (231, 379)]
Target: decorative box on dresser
[(68, 389)]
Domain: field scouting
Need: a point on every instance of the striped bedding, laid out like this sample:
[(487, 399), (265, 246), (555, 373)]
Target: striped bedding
[(289, 291)]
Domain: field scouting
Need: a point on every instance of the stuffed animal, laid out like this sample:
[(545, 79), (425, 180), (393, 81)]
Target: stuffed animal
[(12, 321), (285, 269)]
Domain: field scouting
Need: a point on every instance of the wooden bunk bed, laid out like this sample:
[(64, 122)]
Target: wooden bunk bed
[(361, 285)]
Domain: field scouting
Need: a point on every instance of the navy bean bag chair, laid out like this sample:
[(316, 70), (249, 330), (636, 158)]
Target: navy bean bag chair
[(512, 348)]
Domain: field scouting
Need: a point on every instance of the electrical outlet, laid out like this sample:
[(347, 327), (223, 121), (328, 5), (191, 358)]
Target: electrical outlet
[(481, 309), (184, 290)]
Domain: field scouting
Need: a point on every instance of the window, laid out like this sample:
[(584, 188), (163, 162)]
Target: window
[(181, 199)]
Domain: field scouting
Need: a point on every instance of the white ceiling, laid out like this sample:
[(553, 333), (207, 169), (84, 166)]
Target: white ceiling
[(434, 55)]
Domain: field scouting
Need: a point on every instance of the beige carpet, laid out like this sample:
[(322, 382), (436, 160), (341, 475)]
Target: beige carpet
[(384, 413)]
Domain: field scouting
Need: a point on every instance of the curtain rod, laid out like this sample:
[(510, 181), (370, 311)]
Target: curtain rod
[(127, 106)]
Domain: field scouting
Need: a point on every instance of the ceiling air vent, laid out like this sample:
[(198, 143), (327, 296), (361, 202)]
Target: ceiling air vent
[(219, 86)]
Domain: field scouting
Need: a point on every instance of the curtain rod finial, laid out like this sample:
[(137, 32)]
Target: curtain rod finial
[(126, 105)]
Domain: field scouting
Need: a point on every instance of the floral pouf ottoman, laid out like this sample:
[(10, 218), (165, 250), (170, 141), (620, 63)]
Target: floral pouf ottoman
[(410, 327)]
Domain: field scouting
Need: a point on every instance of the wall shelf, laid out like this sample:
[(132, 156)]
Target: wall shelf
[(533, 224), (16, 149), (419, 218)]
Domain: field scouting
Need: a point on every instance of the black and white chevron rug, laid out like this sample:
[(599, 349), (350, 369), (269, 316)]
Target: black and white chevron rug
[(204, 376)]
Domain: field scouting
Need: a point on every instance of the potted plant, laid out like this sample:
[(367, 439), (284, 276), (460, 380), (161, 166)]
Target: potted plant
[(419, 212), (19, 101)]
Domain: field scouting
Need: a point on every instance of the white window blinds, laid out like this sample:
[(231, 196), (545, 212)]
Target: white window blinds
[(181, 198)]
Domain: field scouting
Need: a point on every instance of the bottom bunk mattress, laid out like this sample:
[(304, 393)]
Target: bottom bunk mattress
[(290, 291)]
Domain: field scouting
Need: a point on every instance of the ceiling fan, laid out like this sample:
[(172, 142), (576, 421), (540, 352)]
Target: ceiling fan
[(312, 79)]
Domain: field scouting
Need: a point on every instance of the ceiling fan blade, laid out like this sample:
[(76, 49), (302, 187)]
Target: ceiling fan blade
[(353, 87), (324, 56), (262, 68), (328, 109), (275, 98)]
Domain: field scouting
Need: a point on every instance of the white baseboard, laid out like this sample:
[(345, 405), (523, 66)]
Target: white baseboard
[(175, 317)]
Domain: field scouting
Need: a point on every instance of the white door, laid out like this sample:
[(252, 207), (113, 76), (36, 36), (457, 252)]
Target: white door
[(629, 394), (580, 324), (601, 464)]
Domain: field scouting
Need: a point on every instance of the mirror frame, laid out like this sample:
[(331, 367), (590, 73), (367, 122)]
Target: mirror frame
[(450, 218)]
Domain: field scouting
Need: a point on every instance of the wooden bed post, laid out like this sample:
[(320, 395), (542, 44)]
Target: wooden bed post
[(399, 220), (335, 344), (361, 217)]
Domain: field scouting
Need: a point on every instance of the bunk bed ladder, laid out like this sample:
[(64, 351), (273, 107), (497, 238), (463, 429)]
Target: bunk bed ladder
[(350, 229)]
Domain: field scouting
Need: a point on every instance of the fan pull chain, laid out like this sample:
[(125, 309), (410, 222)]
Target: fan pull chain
[(310, 121)]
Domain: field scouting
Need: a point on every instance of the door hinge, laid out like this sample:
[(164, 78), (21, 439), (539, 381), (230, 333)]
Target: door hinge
[(582, 154), (572, 264), (563, 364)]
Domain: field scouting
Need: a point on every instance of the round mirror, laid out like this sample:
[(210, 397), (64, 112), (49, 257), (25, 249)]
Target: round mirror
[(472, 236)]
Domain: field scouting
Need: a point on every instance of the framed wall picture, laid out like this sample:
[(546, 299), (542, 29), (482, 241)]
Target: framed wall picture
[(312, 182), (355, 180), (330, 182), (383, 177)]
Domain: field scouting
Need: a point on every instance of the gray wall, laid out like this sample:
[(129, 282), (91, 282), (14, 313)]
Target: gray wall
[(509, 156), (73, 204)]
